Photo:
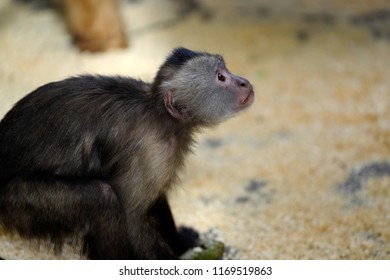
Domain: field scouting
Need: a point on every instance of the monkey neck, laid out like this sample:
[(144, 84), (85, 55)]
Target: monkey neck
[(184, 123), (178, 134), (177, 131)]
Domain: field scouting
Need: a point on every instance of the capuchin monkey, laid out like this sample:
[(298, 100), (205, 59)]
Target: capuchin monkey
[(92, 158)]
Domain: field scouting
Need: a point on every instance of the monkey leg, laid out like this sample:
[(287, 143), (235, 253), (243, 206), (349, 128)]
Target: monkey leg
[(57, 208)]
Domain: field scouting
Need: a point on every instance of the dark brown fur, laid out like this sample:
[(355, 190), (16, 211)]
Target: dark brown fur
[(94, 156)]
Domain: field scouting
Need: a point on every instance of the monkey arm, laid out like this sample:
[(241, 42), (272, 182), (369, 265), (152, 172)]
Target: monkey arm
[(145, 241), (149, 236)]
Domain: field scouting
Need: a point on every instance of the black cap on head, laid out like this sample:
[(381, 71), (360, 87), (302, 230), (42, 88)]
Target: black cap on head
[(180, 56)]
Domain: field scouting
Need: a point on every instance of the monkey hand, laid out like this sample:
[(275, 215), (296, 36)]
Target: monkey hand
[(207, 250)]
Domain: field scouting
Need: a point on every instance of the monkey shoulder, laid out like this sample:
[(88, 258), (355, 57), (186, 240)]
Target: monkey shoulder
[(96, 87), (87, 88), (82, 97), (113, 84)]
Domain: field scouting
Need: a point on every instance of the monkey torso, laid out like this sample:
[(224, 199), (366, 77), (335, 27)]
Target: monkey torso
[(136, 142)]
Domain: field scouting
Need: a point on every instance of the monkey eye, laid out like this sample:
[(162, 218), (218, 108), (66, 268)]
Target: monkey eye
[(221, 77)]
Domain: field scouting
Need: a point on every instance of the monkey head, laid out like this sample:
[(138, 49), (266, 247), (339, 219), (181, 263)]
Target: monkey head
[(197, 87)]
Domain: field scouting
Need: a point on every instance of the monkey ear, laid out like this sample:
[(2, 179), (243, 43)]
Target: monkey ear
[(172, 110)]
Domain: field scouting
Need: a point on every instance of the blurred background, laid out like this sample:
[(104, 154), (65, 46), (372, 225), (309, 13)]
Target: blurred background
[(304, 173)]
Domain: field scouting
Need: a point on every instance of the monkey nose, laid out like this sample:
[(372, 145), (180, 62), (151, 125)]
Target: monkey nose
[(242, 82)]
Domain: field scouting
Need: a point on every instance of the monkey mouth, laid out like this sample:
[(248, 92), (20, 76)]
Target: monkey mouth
[(248, 100)]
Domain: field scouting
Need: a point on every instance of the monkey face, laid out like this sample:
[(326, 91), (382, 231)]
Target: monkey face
[(230, 84), (203, 90)]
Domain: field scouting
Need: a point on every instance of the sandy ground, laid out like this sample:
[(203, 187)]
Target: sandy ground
[(304, 173)]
